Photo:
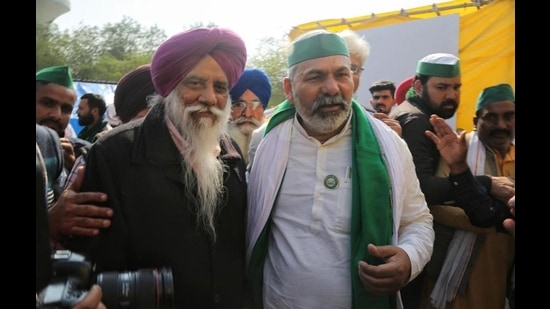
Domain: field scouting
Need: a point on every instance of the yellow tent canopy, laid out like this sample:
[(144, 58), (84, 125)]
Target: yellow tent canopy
[(486, 42)]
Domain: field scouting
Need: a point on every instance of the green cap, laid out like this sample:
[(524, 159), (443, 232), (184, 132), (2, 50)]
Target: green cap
[(501, 92), (439, 64), (60, 75), (317, 45)]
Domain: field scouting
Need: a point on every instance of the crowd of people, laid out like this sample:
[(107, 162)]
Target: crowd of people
[(326, 203), (467, 189)]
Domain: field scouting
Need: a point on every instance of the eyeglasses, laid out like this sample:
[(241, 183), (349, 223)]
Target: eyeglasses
[(356, 69), (241, 106)]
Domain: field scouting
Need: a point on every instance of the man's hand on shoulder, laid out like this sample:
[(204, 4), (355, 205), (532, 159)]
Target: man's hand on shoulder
[(75, 213), (390, 122)]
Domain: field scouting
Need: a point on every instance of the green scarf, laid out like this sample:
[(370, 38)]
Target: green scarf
[(410, 93), (372, 218)]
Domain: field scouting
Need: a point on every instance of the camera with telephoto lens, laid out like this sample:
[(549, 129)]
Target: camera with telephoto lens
[(73, 276)]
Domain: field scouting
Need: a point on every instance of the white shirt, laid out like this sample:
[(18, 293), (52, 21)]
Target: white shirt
[(309, 257), (412, 221)]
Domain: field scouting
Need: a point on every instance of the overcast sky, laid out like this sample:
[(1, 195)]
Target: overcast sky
[(251, 19)]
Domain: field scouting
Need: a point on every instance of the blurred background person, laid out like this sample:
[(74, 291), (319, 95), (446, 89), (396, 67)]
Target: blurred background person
[(132, 100), (359, 50), (249, 97), (111, 116), (382, 92), (404, 88), (133, 94), (91, 111)]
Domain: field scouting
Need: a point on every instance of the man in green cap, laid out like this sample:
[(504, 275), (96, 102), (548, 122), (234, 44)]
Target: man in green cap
[(336, 217), (488, 150), (55, 98), (436, 91), (359, 50), (496, 126)]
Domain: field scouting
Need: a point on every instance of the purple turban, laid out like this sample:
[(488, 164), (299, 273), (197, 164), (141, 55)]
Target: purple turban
[(131, 92), (257, 81), (178, 55)]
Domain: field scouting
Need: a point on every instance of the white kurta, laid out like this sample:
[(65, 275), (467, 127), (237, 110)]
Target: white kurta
[(412, 221), (311, 215)]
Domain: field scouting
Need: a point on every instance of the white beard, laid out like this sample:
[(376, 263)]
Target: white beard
[(242, 139), (320, 122), (202, 169)]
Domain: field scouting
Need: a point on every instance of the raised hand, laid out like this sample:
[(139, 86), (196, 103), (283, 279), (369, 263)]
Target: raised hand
[(452, 146)]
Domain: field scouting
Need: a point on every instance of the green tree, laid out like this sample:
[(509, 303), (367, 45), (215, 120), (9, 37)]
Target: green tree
[(126, 38), (106, 53), (83, 51), (50, 46), (270, 56), (97, 53)]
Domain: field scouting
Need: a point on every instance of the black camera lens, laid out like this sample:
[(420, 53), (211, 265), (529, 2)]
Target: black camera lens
[(141, 289)]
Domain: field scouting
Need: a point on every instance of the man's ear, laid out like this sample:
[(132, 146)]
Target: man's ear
[(287, 87), (95, 112), (417, 84)]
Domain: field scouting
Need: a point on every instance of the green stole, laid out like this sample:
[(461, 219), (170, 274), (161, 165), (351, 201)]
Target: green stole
[(371, 220)]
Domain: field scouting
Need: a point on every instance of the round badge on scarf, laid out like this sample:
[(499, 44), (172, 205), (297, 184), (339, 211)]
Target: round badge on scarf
[(331, 182)]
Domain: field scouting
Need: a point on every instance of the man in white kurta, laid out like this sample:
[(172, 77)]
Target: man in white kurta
[(305, 246)]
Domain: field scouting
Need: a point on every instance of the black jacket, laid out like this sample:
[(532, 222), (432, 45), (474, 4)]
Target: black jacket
[(154, 223), (467, 191)]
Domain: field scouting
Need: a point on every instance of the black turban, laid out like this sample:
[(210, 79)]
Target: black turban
[(131, 92)]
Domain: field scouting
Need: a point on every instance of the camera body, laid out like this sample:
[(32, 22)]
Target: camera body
[(73, 276), (71, 281)]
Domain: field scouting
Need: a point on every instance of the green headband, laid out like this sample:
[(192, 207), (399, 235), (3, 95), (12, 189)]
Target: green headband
[(501, 92), (60, 75), (317, 46), (439, 64), (436, 69)]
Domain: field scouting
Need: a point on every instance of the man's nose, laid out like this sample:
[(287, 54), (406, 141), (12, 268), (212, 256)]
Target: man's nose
[(208, 96), (330, 86)]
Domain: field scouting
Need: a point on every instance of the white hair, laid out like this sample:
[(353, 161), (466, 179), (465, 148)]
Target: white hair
[(357, 45)]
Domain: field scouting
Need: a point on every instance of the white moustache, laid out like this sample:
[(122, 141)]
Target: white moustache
[(252, 120), (201, 108)]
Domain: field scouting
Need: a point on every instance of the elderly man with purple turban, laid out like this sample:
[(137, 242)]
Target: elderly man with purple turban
[(249, 99), (176, 180)]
